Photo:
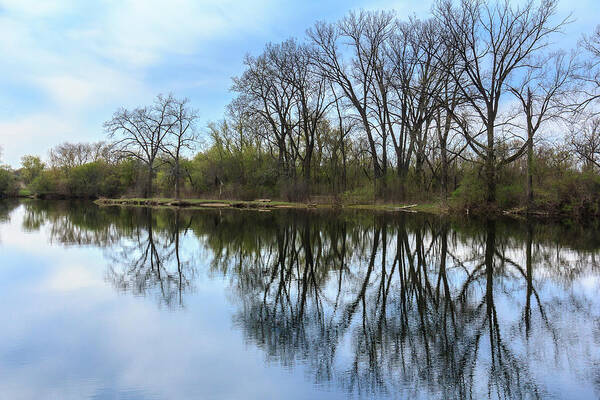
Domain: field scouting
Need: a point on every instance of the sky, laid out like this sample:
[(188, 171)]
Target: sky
[(67, 65)]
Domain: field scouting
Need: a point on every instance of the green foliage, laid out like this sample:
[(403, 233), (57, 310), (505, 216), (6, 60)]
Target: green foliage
[(8, 182), (244, 174), (86, 180), (165, 181), (510, 195), (25, 193), (359, 195), (471, 192), (46, 183), (31, 168), (94, 180), (575, 193)]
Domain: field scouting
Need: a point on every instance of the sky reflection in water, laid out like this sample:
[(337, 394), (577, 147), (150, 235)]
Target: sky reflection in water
[(107, 303)]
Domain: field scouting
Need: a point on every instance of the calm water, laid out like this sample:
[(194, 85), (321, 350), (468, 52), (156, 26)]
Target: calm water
[(110, 303)]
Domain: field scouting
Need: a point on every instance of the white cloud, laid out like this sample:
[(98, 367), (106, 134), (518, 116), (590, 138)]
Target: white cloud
[(143, 32), (78, 61), (72, 277), (35, 8), (34, 133), (66, 65)]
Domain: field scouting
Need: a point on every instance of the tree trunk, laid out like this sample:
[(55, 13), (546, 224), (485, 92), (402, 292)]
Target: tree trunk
[(530, 172), (177, 180), (306, 167), (444, 156), (529, 277), (490, 168), (148, 193), (344, 170)]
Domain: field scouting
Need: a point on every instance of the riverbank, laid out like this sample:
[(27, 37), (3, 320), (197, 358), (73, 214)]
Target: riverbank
[(265, 204), (434, 208)]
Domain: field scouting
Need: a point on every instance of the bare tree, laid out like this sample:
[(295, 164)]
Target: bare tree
[(140, 133), (418, 79), (181, 137), (541, 94), (364, 35), (71, 155), (494, 41), (590, 71), (311, 103), (265, 91), (585, 142)]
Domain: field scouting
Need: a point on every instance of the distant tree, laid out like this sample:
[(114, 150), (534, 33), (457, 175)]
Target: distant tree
[(181, 137), (7, 179), (70, 155), (418, 78), (585, 142), (311, 101), (31, 168), (141, 133)]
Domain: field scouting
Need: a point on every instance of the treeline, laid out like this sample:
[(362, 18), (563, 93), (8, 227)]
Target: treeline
[(473, 106)]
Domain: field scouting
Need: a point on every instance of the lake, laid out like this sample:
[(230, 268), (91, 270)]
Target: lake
[(139, 303)]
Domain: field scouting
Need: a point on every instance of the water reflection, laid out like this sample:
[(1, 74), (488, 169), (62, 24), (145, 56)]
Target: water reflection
[(150, 261), (381, 305)]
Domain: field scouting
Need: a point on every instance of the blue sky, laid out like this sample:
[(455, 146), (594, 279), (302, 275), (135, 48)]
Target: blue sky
[(66, 65)]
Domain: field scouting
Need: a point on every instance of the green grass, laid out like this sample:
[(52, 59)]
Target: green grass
[(25, 193)]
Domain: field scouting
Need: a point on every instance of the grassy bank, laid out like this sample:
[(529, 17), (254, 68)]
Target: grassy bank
[(431, 208)]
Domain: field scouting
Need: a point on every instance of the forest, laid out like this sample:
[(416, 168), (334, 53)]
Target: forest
[(475, 108)]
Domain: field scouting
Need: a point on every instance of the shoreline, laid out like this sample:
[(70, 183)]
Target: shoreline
[(267, 204), (436, 208)]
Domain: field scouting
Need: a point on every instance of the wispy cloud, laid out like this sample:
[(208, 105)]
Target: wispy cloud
[(66, 65)]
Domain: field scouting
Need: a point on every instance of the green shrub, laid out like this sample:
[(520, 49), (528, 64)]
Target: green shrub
[(46, 183), (471, 192), (8, 182), (359, 195)]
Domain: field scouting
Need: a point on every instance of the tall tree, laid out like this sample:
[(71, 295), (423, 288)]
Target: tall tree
[(590, 71), (494, 41), (140, 133), (418, 79), (31, 168), (180, 138), (541, 94), (312, 102), (352, 68), (264, 90)]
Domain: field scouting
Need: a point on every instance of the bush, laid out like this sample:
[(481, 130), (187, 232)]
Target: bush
[(8, 182), (363, 194), (46, 183), (471, 192), (94, 180)]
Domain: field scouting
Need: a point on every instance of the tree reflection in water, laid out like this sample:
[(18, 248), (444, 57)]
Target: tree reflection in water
[(378, 304), (6, 208), (150, 260)]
